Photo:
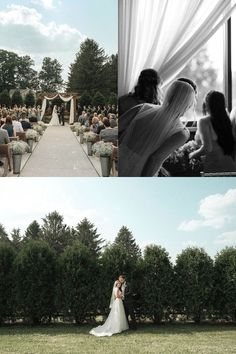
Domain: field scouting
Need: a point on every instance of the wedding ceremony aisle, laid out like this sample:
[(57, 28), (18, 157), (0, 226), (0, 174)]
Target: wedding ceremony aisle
[(58, 154)]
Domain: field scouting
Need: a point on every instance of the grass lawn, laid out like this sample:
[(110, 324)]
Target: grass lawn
[(164, 339)]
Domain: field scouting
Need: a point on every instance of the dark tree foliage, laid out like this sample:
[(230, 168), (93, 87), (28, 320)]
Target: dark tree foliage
[(5, 98), (126, 240), (16, 239), (79, 282), (193, 281), (35, 282), (3, 235), (157, 286), (30, 99), (50, 75), (17, 98), (55, 232), (225, 283), (7, 295), (32, 232), (86, 233)]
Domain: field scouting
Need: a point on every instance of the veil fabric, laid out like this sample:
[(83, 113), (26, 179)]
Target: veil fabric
[(113, 295), (151, 127)]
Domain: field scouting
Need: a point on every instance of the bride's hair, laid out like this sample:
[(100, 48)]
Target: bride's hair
[(146, 89), (215, 105)]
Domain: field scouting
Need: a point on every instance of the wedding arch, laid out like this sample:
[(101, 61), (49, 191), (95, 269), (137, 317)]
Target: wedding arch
[(70, 99)]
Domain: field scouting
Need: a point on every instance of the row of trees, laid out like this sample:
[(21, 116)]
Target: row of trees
[(92, 71), (29, 100), (55, 270)]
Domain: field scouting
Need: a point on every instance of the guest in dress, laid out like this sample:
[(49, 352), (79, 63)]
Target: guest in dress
[(147, 90), (8, 126), (215, 136)]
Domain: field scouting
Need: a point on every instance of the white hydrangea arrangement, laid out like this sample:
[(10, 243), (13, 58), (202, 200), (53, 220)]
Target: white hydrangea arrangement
[(90, 137), (31, 134), (19, 147), (38, 129)]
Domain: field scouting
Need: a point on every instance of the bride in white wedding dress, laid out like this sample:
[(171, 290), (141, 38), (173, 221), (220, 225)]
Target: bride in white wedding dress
[(55, 119), (116, 321)]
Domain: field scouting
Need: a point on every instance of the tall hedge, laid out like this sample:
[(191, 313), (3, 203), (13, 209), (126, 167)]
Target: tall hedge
[(7, 295), (157, 287), (193, 282), (224, 301), (35, 282), (79, 282)]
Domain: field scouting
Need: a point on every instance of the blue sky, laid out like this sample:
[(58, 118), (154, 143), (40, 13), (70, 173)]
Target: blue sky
[(174, 213), (56, 28)]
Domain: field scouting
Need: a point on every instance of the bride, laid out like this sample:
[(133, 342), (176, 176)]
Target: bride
[(55, 119), (116, 321)]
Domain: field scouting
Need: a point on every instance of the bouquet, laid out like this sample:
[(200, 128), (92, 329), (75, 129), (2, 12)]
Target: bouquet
[(179, 164), (38, 129), (102, 149)]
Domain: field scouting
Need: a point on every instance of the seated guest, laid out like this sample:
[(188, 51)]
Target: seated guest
[(25, 123), (108, 134), (95, 124), (147, 90), (215, 136), (4, 139), (17, 125), (8, 126)]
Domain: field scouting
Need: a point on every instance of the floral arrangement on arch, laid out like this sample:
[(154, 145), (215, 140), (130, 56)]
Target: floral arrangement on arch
[(90, 137), (179, 164), (31, 134), (102, 149)]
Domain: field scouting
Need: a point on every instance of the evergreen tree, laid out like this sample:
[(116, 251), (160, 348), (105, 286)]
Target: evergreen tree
[(225, 283), (35, 281), (112, 99), (110, 75), (193, 282), (17, 99), (3, 235), (5, 98), (50, 75), (86, 73), (16, 238), (32, 232), (85, 99), (98, 99), (7, 299), (8, 64), (126, 240), (157, 283), (86, 234), (55, 232), (30, 99)]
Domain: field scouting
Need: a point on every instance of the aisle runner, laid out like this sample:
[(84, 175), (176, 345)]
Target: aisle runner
[(58, 154)]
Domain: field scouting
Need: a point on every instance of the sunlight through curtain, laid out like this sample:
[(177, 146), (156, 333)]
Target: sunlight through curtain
[(164, 35)]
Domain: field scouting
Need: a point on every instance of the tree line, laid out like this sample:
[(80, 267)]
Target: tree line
[(56, 271), (92, 71)]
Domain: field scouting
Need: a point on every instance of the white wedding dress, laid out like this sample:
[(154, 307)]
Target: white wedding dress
[(116, 321), (55, 119)]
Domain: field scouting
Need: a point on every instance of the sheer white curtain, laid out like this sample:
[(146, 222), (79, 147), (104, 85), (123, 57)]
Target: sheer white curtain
[(64, 99), (164, 35)]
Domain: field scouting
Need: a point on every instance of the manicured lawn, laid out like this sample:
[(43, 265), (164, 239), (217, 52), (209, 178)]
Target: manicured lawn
[(164, 339)]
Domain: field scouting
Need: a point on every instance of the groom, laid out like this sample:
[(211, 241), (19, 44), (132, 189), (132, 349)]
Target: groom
[(62, 114), (128, 301)]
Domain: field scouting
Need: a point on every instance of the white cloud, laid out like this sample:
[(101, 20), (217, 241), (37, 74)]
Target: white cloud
[(227, 238), (24, 32), (214, 211), (47, 4)]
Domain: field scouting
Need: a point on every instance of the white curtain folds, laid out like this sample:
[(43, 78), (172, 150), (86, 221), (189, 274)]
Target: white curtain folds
[(164, 35), (64, 99)]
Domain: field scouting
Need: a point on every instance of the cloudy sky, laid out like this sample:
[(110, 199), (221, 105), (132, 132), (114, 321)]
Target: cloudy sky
[(174, 213), (56, 28)]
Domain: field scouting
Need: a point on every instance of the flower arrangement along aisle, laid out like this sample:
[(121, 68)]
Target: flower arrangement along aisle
[(31, 136), (178, 163), (90, 138), (18, 148), (104, 151)]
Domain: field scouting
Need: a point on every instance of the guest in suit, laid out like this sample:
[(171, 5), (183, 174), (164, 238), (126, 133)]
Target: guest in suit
[(108, 134), (62, 114)]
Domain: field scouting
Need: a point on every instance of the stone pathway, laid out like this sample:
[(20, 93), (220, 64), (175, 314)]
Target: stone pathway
[(58, 154)]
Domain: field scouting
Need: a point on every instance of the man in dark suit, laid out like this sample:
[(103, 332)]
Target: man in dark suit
[(128, 301), (62, 114)]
